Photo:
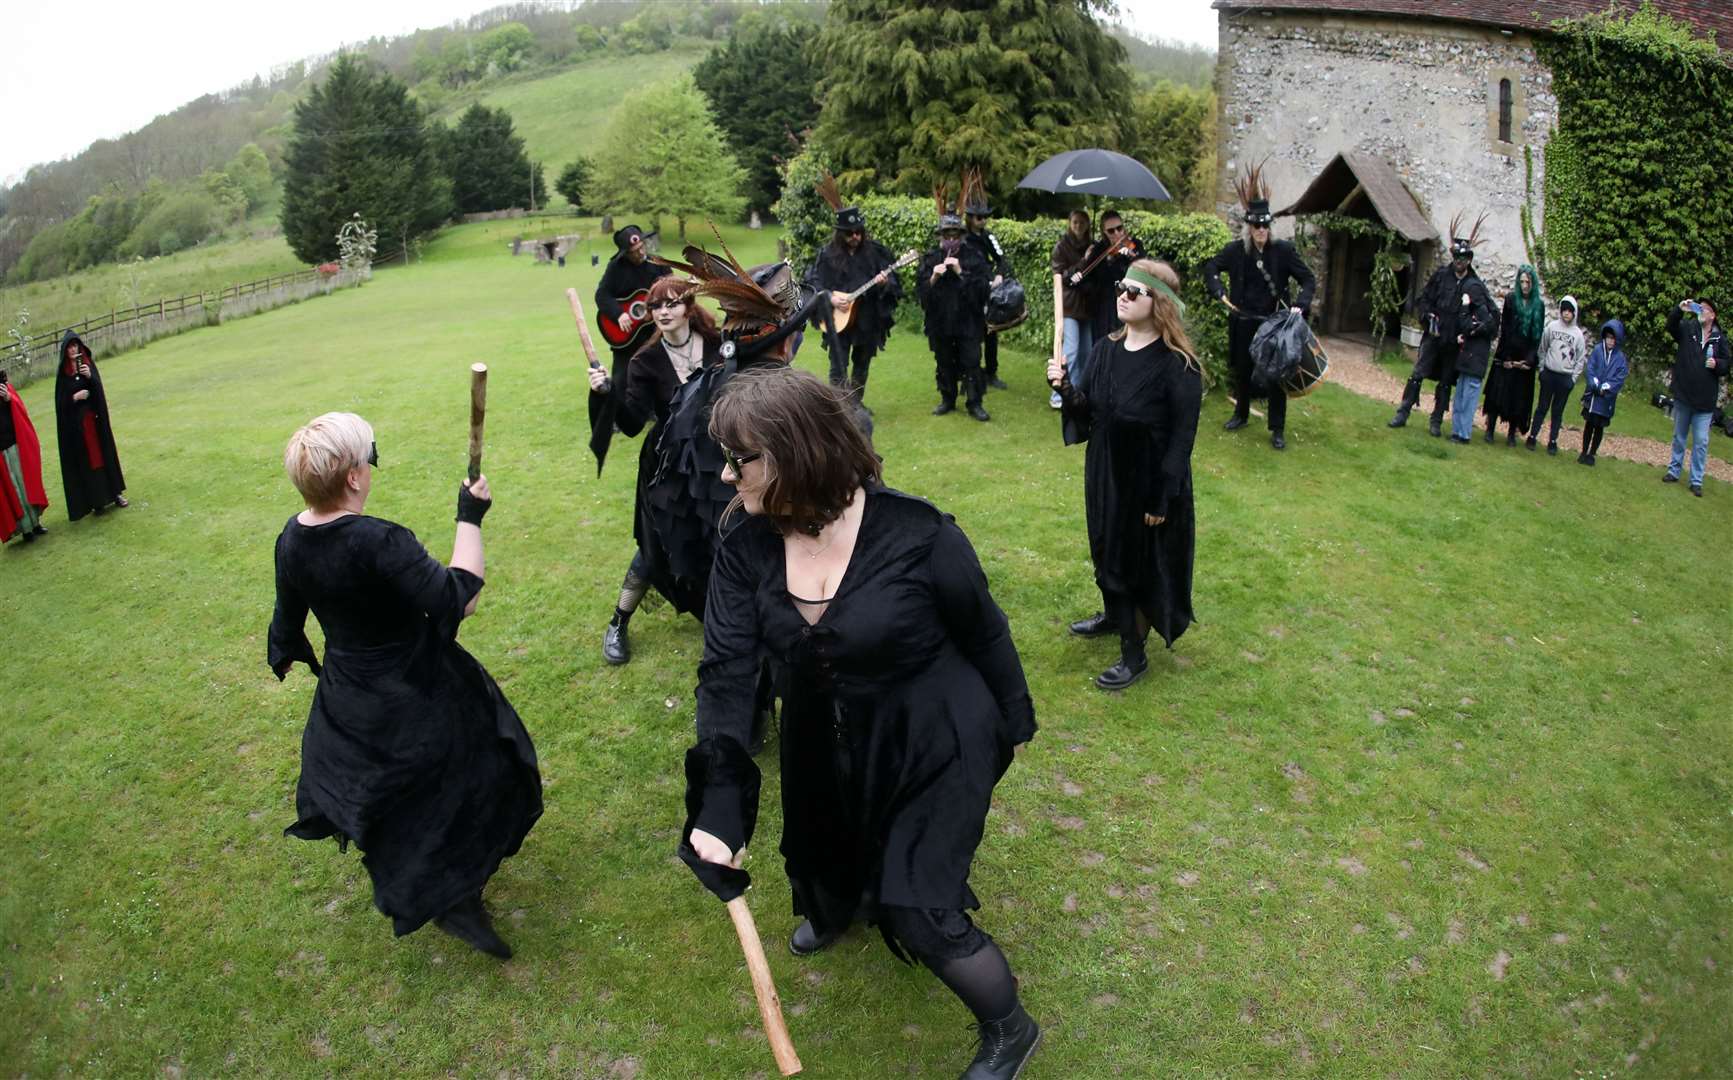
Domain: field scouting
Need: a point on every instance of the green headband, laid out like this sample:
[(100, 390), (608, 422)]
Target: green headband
[(1154, 284)]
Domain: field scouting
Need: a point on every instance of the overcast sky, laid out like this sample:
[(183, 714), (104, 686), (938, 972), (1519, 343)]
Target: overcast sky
[(78, 72)]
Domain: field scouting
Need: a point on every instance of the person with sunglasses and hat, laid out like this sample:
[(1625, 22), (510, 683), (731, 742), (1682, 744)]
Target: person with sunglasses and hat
[(1261, 271), (952, 284), (975, 215), (410, 752), (1137, 407), (685, 342), (1440, 307), (849, 261)]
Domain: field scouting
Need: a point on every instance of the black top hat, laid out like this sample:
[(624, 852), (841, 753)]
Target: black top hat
[(1258, 212), (978, 208), (949, 221), (850, 219), (1461, 248)]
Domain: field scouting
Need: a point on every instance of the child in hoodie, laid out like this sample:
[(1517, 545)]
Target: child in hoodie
[(1607, 371), (1563, 351)]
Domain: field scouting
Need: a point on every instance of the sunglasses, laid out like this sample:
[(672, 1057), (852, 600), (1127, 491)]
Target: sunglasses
[(373, 454), (1131, 288), (738, 462), (1114, 230), (856, 233)]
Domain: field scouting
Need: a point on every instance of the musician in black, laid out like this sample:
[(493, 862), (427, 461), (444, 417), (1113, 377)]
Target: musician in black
[(1102, 282), (953, 284), (850, 260), (1437, 308), (980, 238), (630, 270), (1261, 273)]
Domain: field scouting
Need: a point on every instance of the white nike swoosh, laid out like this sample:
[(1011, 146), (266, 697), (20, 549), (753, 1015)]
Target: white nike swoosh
[(1072, 181)]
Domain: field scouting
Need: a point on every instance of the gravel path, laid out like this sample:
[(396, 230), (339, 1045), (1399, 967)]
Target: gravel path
[(1351, 366)]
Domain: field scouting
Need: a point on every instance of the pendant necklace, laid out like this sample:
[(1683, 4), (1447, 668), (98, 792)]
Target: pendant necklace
[(813, 554)]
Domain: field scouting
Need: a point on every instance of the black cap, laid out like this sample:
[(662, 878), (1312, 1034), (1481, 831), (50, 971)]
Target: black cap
[(1258, 212), (850, 219), (623, 237)]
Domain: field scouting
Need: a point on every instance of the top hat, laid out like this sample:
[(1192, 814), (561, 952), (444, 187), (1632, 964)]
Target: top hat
[(1461, 248), (1258, 212), (850, 219)]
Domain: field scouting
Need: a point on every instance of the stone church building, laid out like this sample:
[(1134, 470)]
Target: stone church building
[(1405, 111)]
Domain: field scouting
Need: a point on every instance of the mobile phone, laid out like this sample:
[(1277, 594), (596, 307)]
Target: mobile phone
[(1693, 307)]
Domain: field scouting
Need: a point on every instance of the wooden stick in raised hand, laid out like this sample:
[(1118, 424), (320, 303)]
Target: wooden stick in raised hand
[(769, 1005), (583, 329), (477, 416)]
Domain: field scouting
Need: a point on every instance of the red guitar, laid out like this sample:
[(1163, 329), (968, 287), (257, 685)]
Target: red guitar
[(636, 308)]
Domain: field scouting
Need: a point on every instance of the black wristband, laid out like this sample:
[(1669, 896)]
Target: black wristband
[(470, 508)]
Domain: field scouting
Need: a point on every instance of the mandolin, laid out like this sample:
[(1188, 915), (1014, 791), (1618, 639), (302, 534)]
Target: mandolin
[(842, 304)]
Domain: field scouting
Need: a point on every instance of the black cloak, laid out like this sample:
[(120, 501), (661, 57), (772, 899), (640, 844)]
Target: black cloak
[(620, 278), (956, 304), (1509, 394), (835, 270), (1139, 411), (85, 436)]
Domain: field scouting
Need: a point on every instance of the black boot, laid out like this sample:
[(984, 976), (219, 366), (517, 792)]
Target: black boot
[(469, 923), (1510, 438), (1490, 434), (616, 646), (1529, 443), (944, 407), (1097, 625), (1436, 427), (1006, 1046), (1277, 441), (1401, 417), (1132, 664), (1236, 421), (979, 413), (806, 940)]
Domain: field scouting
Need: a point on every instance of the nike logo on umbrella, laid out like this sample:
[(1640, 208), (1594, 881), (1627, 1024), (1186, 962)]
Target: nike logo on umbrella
[(1072, 181)]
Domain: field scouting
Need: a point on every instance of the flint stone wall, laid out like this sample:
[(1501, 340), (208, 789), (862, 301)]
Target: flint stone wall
[(1299, 88)]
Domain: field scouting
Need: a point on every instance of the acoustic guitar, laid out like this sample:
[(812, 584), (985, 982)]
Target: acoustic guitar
[(842, 303), (636, 308)]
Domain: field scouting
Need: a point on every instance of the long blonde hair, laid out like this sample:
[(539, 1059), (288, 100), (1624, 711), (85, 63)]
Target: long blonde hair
[(1168, 318)]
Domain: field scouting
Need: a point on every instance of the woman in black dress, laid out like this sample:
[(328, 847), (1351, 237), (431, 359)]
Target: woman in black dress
[(683, 345), (89, 466), (1510, 385), (410, 751), (1137, 407), (903, 696)]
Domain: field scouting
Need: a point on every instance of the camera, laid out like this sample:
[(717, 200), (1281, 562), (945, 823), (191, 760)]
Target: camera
[(1663, 402)]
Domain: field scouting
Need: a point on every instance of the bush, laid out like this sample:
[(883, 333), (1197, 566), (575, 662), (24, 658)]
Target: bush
[(180, 220)]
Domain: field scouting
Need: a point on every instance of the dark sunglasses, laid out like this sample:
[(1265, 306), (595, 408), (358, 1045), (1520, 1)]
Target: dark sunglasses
[(1131, 287), (660, 304), (738, 462), (856, 233), (1113, 230), (373, 454)]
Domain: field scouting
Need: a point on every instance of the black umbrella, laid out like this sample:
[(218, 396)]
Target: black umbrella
[(1095, 172)]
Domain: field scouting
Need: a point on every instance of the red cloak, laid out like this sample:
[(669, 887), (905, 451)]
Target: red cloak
[(30, 461)]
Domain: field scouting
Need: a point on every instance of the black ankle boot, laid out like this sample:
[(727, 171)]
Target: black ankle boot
[(1400, 419), (1436, 427), (806, 940), (469, 923), (1235, 422), (944, 407), (1132, 664), (1097, 625), (616, 646), (1490, 435), (1006, 1046)]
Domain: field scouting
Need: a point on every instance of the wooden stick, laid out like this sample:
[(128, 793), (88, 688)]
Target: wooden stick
[(1059, 317), (583, 329), (477, 416), (769, 1005)]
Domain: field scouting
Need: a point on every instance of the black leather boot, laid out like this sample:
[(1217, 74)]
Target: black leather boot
[(979, 413), (469, 923), (806, 939), (1006, 1046), (1490, 434), (616, 646), (1096, 625), (944, 407), (1401, 417), (1436, 427), (1132, 664), (1235, 422), (1277, 442)]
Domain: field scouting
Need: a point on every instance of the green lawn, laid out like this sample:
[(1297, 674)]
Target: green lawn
[(1438, 787)]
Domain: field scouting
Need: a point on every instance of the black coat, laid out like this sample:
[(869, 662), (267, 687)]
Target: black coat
[(901, 707), (956, 304), (1476, 322), (1103, 298), (1247, 290), (1697, 365), (411, 751), (89, 466), (1509, 394), (1139, 412), (835, 270)]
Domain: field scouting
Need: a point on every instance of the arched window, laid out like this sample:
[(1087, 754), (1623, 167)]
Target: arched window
[(1505, 103)]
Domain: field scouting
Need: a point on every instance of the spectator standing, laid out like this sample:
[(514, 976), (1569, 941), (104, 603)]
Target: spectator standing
[(1563, 351), (1699, 365)]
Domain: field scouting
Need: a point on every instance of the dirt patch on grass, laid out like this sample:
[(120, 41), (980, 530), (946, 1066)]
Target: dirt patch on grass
[(1499, 965)]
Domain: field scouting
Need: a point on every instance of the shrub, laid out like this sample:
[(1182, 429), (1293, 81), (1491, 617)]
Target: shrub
[(181, 220)]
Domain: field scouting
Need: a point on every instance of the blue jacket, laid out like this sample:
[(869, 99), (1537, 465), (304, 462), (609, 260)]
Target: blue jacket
[(1606, 372)]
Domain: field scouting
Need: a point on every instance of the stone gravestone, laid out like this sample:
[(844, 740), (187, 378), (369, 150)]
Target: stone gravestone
[(755, 223)]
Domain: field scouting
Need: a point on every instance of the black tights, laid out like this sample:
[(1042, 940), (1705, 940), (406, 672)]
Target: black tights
[(1593, 428), (980, 977)]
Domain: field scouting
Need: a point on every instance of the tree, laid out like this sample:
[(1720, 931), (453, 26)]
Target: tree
[(574, 183), (360, 145), (1171, 128), (663, 155), (486, 161), (917, 90), (505, 48), (761, 89), (251, 172)]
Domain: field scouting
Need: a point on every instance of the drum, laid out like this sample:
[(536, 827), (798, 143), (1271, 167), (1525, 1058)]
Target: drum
[(1007, 306), (1313, 369)]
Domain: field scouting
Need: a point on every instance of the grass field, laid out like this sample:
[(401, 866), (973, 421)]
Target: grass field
[(1438, 787)]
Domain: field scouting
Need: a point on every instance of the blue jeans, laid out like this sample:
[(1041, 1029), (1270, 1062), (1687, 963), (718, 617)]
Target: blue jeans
[(1077, 337), (1688, 421), (1462, 406)]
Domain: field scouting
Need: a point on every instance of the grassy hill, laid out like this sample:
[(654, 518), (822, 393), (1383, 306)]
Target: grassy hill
[(1437, 787)]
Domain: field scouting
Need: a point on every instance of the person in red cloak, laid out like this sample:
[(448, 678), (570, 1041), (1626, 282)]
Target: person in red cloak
[(22, 499), (89, 466)]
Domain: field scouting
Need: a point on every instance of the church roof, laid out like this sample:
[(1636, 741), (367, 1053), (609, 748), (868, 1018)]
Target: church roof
[(1704, 15), (1350, 171)]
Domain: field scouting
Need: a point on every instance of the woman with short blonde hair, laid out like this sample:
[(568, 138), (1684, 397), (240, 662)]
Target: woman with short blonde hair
[(410, 752)]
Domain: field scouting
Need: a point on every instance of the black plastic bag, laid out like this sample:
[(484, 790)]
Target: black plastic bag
[(1277, 348), (1007, 305)]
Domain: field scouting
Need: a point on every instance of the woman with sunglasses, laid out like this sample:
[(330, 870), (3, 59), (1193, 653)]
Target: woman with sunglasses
[(684, 343), (410, 752), (903, 696), (1137, 407)]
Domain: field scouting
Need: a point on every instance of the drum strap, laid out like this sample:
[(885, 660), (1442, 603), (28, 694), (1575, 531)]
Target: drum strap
[(1280, 299)]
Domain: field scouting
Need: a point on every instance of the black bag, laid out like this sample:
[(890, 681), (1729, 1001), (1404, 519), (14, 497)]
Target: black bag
[(1006, 305), (1277, 348)]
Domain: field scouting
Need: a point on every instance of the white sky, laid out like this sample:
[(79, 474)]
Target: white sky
[(78, 72)]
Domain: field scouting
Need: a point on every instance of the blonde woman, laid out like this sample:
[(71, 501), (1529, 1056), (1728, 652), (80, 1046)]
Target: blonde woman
[(1137, 406), (410, 752)]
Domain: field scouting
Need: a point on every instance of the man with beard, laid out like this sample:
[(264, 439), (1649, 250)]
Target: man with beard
[(952, 285), (849, 261), (1438, 308), (630, 270), (977, 212)]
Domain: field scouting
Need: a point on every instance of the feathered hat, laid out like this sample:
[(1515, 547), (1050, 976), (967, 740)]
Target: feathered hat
[(1254, 194), (760, 306), (1461, 246), (848, 218), (949, 209), (974, 197)]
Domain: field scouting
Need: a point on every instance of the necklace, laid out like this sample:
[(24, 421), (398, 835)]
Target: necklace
[(814, 553), (683, 354)]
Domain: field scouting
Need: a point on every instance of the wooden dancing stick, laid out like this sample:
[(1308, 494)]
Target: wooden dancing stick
[(769, 1005), (477, 416), (1059, 316), (583, 328)]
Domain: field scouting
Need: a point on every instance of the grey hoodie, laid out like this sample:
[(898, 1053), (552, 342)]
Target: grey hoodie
[(1564, 348)]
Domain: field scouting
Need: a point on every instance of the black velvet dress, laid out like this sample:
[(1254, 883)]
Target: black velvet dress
[(901, 707), (1509, 393), (410, 751), (1138, 411)]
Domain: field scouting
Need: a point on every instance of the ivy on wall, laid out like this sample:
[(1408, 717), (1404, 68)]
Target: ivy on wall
[(1385, 296), (1638, 211)]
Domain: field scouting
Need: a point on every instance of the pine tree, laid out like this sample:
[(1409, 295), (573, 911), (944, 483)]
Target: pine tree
[(664, 156), (761, 88), (575, 183), (487, 163), (360, 145), (917, 90)]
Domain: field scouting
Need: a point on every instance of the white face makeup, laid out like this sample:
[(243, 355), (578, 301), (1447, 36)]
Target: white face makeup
[(670, 318)]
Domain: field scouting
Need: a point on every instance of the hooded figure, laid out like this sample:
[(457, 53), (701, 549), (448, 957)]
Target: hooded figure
[(89, 465), (22, 499), (1607, 371), (1563, 352)]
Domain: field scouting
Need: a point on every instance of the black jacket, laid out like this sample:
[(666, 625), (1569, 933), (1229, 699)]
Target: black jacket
[(1476, 322), (835, 270), (1247, 290), (1699, 364), (988, 245), (621, 279), (956, 305)]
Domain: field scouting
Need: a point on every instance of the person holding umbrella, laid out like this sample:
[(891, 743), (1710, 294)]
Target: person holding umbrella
[(1260, 271)]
